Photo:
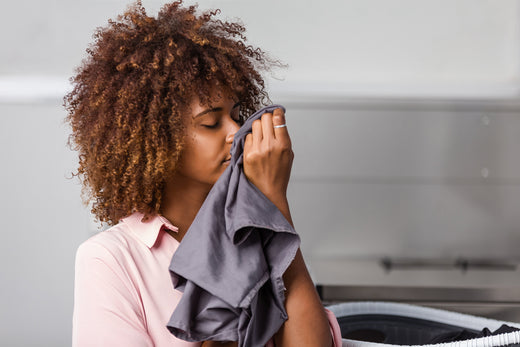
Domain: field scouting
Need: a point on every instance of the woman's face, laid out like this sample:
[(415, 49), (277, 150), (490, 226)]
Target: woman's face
[(210, 131)]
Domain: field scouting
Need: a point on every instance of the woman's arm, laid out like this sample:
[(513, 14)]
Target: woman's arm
[(267, 164), (308, 323)]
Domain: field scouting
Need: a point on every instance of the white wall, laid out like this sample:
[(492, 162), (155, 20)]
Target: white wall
[(371, 175), (43, 223), (368, 47)]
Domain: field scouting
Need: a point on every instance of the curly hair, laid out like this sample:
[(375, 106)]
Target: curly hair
[(128, 95)]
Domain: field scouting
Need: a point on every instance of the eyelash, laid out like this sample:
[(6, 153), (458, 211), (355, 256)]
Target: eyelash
[(214, 126)]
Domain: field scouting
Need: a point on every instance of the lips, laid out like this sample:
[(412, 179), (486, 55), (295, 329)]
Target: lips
[(227, 160)]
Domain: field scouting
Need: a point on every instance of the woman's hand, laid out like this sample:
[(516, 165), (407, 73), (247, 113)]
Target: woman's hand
[(268, 156)]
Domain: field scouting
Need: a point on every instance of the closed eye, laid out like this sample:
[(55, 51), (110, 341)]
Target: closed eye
[(211, 126), (235, 115)]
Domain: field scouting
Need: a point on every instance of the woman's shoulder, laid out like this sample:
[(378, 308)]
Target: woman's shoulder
[(108, 245)]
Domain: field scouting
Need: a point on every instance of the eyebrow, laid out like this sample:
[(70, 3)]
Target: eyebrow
[(214, 109)]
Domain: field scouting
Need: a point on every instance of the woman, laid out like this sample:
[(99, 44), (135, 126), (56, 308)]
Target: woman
[(153, 113)]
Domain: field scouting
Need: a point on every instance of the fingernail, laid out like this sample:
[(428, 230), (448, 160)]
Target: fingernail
[(278, 113)]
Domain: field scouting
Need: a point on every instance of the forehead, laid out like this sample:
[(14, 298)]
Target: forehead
[(216, 98)]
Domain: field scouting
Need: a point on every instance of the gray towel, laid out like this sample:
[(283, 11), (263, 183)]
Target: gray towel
[(230, 263)]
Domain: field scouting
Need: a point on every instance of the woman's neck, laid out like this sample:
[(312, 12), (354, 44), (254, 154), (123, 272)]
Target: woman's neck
[(181, 203)]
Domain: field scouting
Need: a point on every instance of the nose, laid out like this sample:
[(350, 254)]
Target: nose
[(232, 128)]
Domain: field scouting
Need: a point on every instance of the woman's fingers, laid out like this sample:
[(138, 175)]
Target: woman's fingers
[(268, 155), (279, 125), (267, 125), (248, 142), (278, 117), (257, 132)]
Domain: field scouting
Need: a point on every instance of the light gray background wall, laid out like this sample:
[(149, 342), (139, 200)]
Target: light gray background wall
[(426, 175)]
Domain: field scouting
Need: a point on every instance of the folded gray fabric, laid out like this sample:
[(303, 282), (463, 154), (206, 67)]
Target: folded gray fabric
[(230, 263)]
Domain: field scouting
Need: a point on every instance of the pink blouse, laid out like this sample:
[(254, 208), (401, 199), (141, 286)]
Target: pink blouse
[(123, 294)]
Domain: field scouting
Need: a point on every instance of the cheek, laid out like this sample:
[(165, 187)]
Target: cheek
[(205, 146), (197, 152)]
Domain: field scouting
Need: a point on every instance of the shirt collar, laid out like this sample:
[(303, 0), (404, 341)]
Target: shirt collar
[(147, 231)]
